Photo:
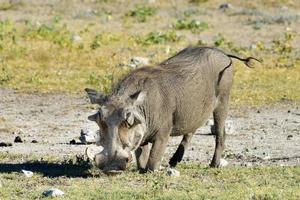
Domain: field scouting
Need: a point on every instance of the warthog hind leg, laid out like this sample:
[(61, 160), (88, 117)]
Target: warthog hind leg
[(178, 155), (220, 114)]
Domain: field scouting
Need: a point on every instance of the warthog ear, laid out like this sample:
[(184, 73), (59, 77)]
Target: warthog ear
[(138, 98), (95, 97)]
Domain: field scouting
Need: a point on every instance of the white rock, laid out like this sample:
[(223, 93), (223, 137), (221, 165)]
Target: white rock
[(76, 38), (225, 6), (53, 192), (267, 157), (88, 136), (91, 152), (223, 162), (136, 62), (173, 172), (28, 174), (230, 127), (247, 164)]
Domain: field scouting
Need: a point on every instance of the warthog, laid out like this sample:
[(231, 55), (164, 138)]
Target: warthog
[(150, 104)]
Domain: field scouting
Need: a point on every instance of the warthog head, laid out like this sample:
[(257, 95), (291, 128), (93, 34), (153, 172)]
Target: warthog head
[(122, 128)]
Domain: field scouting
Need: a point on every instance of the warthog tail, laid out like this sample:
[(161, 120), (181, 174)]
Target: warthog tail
[(247, 61)]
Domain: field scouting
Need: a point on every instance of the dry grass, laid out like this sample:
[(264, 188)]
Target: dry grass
[(46, 57)]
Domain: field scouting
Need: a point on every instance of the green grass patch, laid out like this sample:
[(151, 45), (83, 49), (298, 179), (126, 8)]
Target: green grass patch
[(159, 38), (194, 25), (142, 13), (195, 182), (263, 85)]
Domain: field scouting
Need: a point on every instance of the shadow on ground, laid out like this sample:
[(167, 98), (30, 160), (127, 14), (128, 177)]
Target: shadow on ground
[(49, 169)]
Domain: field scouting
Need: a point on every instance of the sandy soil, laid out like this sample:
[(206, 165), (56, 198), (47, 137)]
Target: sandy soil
[(258, 136)]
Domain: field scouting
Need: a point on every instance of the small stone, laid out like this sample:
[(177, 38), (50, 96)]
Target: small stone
[(21, 131), (240, 157), (5, 144), (289, 137), (18, 140), (248, 164), (88, 136), (28, 174), (230, 127), (76, 38), (173, 172), (267, 157), (253, 46), (73, 141), (223, 163), (136, 62), (53, 193), (34, 141), (225, 6)]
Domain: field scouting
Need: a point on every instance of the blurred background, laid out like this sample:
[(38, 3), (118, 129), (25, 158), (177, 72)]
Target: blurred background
[(67, 45), (50, 50)]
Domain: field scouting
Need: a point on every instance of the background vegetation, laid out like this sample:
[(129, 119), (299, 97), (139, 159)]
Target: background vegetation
[(90, 44), (64, 46)]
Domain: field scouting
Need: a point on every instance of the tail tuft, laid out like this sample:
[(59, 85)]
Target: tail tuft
[(247, 61)]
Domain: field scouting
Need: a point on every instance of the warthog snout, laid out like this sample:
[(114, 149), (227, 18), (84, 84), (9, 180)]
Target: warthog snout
[(112, 165)]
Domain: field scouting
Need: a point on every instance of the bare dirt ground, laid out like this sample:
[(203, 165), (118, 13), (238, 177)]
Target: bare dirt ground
[(267, 135)]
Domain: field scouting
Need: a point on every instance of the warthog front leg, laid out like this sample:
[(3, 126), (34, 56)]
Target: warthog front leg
[(177, 157), (142, 156), (157, 152)]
